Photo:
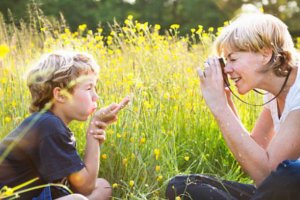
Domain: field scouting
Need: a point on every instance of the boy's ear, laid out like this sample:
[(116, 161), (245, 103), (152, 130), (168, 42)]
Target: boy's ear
[(58, 95), (267, 55)]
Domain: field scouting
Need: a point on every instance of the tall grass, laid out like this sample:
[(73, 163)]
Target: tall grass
[(166, 129)]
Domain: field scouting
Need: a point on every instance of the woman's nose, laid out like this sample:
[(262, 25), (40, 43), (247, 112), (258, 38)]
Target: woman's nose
[(228, 68)]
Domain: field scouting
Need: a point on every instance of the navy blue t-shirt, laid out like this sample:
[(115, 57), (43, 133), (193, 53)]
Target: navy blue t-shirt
[(44, 148)]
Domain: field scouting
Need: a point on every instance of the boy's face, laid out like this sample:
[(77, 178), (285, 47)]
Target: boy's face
[(83, 100)]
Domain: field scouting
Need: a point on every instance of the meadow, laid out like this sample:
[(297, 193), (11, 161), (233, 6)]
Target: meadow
[(165, 130)]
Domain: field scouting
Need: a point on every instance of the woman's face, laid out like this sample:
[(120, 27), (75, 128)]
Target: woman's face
[(244, 69)]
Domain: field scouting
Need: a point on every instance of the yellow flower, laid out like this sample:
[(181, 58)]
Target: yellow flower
[(115, 185), (127, 22), (130, 17), (143, 140), (82, 27), (157, 168), (131, 139), (131, 183), (4, 49), (175, 26), (7, 119), (156, 153), (159, 178), (177, 198), (157, 27), (125, 161), (104, 156), (186, 158)]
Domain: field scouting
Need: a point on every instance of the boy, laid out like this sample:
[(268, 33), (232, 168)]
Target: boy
[(62, 87)]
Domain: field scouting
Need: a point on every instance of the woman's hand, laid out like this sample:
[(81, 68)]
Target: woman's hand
[(212, 84)]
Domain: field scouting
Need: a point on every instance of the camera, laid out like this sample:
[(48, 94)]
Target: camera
[(225, 77)]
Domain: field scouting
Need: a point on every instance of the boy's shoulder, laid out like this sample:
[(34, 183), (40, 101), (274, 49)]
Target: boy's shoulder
[(39, 119), (43, 124)]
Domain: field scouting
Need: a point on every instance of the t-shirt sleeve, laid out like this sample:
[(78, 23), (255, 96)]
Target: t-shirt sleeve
[(57, 156)]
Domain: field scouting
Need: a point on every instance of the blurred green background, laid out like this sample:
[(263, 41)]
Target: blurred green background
[(187, 13)]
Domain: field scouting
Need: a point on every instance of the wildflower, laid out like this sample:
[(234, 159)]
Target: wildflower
[(125, 161), (3, 80), (4, 49), (104, 156), (127, 22), (157, 168), (82, 27), (143, 140), (156, 153), (186, 158), (178, 198), (132, 156), (193, 30), (7, 119), (131, 139), (131, 183), (130, 17), (115, 185), (67, 31), (159, 178), (175, 26), (100, 30), (157, 27), (211, 29), (119, 135)]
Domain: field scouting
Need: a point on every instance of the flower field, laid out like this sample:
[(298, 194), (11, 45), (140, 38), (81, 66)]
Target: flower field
[(164, 131)]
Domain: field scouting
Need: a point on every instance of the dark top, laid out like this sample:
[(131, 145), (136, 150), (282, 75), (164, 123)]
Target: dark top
[(43, 147)]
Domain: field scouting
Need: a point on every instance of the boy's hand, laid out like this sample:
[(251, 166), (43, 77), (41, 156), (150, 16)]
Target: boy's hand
[(109, 114), (105, 117)]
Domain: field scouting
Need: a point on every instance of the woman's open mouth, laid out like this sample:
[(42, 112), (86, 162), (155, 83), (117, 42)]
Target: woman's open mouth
[(236, 79)]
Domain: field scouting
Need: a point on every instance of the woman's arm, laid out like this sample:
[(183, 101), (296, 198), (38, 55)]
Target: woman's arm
[(263, 130)]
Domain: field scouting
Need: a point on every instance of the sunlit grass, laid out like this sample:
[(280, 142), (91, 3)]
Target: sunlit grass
[(166, 129)]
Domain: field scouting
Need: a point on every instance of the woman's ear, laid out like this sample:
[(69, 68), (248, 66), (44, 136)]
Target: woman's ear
[(267, 55), (58, 95)]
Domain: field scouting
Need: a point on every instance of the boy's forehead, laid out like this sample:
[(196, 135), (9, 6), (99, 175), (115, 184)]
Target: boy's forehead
[(86, 79)]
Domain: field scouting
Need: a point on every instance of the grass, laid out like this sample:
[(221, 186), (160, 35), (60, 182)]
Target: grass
[(166, 129)]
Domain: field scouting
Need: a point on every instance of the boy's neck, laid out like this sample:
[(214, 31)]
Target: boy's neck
[(59, 113)]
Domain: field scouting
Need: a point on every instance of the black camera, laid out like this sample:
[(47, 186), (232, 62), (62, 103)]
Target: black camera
[(225, 77)]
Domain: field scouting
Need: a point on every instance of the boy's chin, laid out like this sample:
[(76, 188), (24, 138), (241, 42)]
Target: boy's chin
[(83, 118)]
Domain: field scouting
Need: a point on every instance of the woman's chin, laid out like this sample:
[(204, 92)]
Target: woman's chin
[(242, 91)]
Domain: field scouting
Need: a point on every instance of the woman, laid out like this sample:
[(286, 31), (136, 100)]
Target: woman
[(260, 54)]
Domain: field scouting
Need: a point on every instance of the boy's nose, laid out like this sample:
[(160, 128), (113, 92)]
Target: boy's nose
[(95, 97)]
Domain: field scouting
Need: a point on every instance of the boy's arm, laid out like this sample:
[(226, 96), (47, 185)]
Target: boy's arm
[(84, 181)]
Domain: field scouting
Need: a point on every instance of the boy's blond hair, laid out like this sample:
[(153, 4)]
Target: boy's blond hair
[(256, 32), (57, 69)]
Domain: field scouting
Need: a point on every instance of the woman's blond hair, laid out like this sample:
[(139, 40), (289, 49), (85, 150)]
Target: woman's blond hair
[(57, 69), (256, 32)]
